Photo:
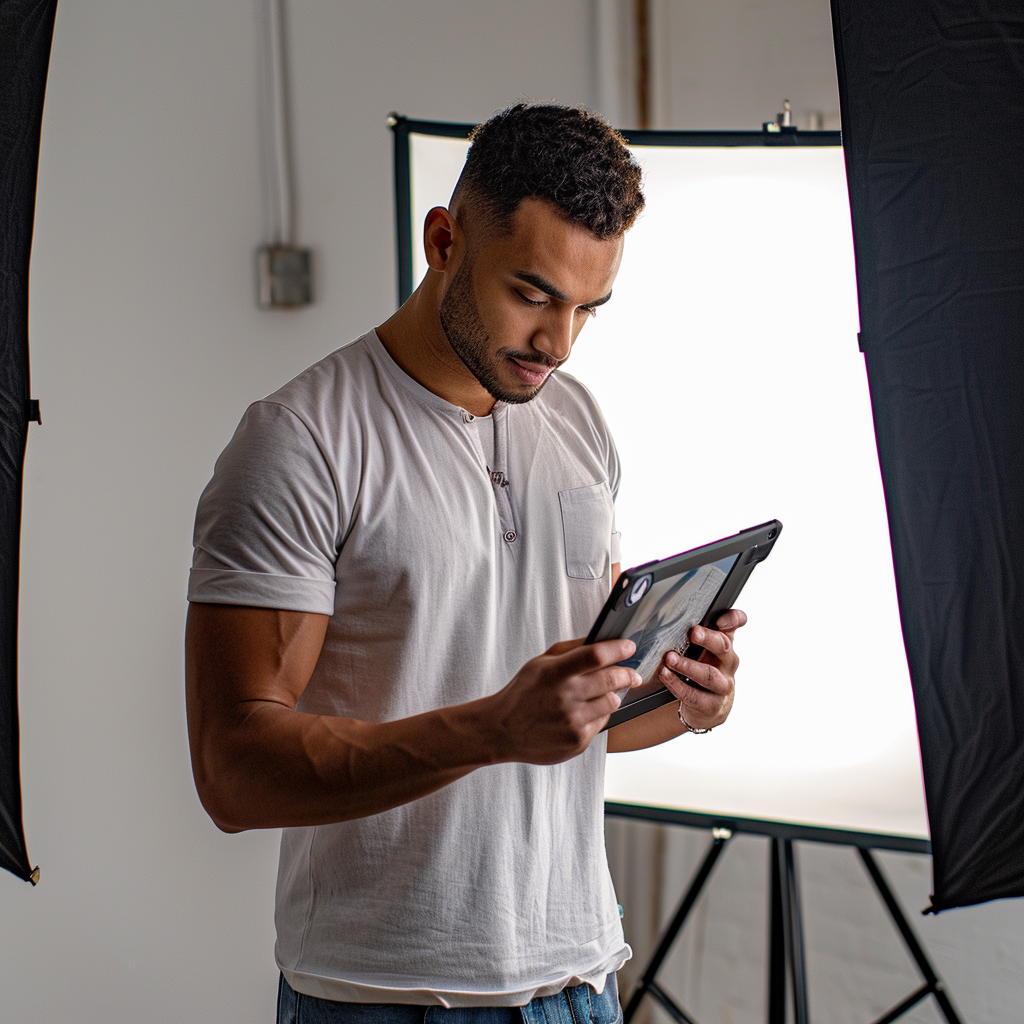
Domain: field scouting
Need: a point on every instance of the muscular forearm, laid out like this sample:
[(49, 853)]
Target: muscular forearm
[(258, 762), (274, 766)]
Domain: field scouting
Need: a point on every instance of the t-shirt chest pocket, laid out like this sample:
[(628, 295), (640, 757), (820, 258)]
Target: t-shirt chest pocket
[(587, 520)]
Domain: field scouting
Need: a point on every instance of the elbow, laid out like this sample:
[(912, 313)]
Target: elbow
[(223, 812), (226, 810), (215, 806), (223, 779)]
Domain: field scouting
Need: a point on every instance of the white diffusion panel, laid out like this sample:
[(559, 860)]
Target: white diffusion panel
[(727, 366), (435, 165)]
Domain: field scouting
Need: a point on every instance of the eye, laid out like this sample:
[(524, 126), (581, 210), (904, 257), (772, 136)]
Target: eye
[(529, 302)]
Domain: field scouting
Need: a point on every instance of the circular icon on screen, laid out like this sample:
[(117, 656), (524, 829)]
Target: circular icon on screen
[(638, 588)]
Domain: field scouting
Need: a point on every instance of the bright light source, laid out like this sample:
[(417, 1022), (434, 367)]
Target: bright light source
[(728, 369)]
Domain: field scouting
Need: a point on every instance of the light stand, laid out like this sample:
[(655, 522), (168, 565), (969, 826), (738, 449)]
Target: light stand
[(787, 975)]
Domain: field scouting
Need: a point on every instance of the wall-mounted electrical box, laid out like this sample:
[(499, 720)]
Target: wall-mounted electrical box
[(285, 275)]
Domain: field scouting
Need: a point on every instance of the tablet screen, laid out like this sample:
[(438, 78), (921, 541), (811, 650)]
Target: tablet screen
[(664, 613)]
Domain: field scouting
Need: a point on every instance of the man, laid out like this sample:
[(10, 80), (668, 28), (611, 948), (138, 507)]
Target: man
[(386, 548)]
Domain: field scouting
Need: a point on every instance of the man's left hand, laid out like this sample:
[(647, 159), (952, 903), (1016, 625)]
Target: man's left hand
[(706, 692)]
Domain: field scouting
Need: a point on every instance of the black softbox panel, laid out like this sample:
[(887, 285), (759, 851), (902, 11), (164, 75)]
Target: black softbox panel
[(26, 31), (932, 100)]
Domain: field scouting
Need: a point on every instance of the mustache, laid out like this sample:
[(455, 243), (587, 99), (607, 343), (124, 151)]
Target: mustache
[(538, 358)]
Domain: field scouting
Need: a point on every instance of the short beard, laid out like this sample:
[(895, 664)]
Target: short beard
[(462, 326)]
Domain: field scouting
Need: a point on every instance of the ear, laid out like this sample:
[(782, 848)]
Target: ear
[(440, 231)]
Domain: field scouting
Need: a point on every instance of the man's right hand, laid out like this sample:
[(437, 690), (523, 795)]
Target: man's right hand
[(559, 701)]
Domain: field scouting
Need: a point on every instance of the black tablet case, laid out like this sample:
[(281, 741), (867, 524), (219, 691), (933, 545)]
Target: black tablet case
[(752, 545)]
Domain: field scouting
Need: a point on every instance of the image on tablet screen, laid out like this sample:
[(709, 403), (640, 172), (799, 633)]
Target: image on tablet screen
[(668, 612)]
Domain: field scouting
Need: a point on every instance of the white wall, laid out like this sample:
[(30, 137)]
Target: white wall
[(731, 63), (146, 347), (723, 65)]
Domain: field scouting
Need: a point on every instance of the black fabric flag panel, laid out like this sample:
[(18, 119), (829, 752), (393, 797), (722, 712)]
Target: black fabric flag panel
[(932, 101), (26, 31)]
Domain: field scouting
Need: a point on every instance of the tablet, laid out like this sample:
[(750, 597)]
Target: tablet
[(657, 604)]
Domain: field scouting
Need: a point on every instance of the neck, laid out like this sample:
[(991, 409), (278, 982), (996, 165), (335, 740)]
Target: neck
[(416, 341)]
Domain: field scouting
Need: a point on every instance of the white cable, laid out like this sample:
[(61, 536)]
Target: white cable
[(608, 60), (273, 114)]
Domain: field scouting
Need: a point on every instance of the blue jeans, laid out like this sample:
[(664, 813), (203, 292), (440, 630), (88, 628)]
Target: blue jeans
[(577, 1005)]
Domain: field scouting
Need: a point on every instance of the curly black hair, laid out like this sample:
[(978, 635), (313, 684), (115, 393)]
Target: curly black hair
[(566, 155)]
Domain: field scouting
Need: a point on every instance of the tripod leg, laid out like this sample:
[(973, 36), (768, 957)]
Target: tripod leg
[(777, 938), (795, 937), (722, 836), (916, 950)]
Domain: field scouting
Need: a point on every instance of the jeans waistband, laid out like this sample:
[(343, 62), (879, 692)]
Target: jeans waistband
[(580, 1004)]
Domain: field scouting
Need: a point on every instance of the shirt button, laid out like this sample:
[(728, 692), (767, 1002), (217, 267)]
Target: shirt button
[(510, 535), (468, 417)]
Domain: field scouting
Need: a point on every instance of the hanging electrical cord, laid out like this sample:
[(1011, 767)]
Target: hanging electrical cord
[(642, 25), (608, 60), (285, 270), (274, 126)]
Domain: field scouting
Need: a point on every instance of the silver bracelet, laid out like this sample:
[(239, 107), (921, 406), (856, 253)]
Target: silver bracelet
[(690, 728)]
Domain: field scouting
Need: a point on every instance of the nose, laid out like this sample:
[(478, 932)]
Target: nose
[(556, 336)]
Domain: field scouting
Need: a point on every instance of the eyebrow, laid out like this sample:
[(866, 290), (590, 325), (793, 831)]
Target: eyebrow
[(556, 293)]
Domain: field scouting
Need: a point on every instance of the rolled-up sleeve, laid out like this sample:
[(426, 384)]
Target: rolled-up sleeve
[(268, 525)]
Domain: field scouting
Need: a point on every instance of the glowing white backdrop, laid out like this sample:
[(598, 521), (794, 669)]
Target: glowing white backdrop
[(727, 366)]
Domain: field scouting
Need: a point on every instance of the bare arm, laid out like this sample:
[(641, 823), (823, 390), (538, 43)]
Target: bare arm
[(260, 763)]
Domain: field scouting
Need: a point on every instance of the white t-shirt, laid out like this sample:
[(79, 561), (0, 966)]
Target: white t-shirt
[(445, 563)]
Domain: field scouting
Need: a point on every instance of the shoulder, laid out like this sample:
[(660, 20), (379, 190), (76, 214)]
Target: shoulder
[(304, 419), (339, 399), (323, 390), (572, 402)]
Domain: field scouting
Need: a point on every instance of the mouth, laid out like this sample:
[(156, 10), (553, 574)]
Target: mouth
[(530, 373)]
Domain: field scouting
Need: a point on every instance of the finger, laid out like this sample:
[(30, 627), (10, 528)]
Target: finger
[(594, 685), (730, 621), (713, 641), (606, 705), (677, 663), (703, 702), (701, 673), (592, 657), (595, 715)]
